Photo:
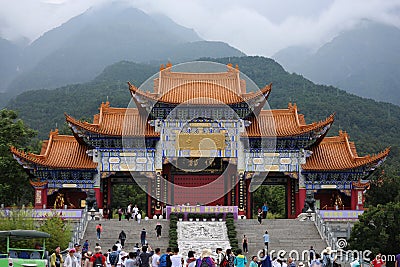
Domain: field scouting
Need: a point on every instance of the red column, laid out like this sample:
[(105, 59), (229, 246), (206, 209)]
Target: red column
[(354, 195), (301, 197), (248, 200), (44, 197), (99, 197)]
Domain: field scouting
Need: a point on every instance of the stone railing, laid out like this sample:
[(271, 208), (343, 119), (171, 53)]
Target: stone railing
[(325, 231), (79, 228)]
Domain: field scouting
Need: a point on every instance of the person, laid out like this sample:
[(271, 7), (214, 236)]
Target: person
[(136, 248), (71, 260), (176, 258), (397, 261), (56, 259), (259, 216), (317, 261), (191, 260), (113, 257), (244, 244), (123, 256), (122, 238), (78, 253), (205, 259), (138, 217), (156, 257), (86, 258), (254, 262), (129, 212), (145, 256), (230, 257), (327, 259), (98, 259), (132, 260), (99, 229), (291, 262), (158, 230), (301, 264), (107, 255), (119, 246), (85, 247), (266, 240), (165, 259), (220, 256), (284, 264), (378, 261), (143, 237), (120, 212), (265, 210), (311, 254), (135, 212), (265, 259), (240, 260)]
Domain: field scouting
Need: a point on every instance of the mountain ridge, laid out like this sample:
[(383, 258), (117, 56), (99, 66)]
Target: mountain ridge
[(363, 61)]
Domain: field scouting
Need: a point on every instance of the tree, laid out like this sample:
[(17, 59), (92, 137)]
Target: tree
[(384, 189), (14, 183), (59, 229), (378, 230)]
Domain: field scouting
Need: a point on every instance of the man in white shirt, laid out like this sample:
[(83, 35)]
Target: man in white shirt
[(156, 257), (176, 259), (135, 212), (119, 246)]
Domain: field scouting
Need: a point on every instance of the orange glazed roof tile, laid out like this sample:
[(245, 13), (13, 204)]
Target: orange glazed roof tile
[(169, 79), (200, 93), (198, 88), (283, 122), (116, 122), (337, 153), (59, 152)]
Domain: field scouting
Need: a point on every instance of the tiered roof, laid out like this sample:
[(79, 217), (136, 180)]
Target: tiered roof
[(199, 89), (338, 153), (116, 122), (59, 152), (284, 123)]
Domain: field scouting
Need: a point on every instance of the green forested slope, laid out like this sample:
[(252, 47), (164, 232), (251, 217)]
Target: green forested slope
[(372, 125)]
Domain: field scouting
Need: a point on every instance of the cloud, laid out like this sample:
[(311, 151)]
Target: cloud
[(253, 26)]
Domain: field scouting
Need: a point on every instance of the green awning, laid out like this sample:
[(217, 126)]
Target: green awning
[(24, 234)]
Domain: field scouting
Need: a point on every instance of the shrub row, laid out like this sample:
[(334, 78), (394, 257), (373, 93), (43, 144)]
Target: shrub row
[(232, 234), (173, 234)]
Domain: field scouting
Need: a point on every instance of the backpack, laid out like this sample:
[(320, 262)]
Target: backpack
[(113, 258), (163, 260), (224, 262), (327, 261), (204, 263), (98, 262)]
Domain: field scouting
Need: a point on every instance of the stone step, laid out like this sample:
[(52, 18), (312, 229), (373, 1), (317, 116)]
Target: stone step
[(285, 234), (112, 228)]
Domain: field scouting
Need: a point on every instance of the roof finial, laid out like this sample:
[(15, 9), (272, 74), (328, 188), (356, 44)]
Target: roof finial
[(237, 67), (162, 67), (229, 65), (107, 99), (169, 64)]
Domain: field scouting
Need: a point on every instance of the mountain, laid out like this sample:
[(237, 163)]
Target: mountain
[(9, 57), (372, 125), (78, 50), (364, 61)]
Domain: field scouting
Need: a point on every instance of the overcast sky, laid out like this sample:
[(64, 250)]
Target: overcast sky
[(256, 27)]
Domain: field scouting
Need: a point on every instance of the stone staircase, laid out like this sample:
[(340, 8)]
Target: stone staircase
[(285, 234), (112, 228)]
